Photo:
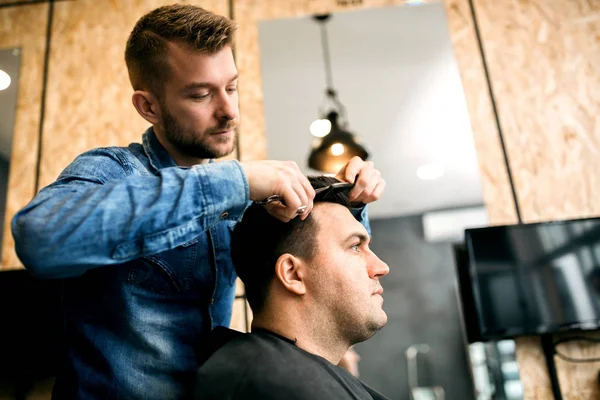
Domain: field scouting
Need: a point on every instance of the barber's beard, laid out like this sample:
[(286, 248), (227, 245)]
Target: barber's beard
[(196, 144)]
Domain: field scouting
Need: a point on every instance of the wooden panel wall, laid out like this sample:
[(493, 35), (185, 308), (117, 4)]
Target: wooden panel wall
[(24, 27), (544, 60), (7, 2)]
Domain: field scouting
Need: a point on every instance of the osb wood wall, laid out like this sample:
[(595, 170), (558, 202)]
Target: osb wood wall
[(23, 27), (544, 59), (545, 64), (14, 1)]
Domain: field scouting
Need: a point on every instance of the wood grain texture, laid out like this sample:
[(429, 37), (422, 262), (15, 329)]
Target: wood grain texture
[(579, 380), (532, 367), (89, 94), (6, 2), (496, 189), (544, 60), (238, 319), (23, 27)]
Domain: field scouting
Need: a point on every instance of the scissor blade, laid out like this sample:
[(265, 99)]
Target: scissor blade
[(335, 186)]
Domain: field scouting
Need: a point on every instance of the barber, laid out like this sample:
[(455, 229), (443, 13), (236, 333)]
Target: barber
[(141, 234)]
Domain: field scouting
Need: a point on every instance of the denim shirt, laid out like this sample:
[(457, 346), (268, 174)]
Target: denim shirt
[(135, 327)]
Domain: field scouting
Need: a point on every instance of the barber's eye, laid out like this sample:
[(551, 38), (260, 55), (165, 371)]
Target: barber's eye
[(355, 247), (232, 90), (200, 96)]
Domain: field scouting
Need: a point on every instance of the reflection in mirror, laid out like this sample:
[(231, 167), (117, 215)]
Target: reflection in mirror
[(395, 72), (10, 61)]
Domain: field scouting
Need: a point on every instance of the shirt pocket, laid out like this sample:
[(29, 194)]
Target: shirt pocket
[(167, 273)]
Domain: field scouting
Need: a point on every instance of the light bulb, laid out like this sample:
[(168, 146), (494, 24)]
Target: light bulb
[(4, 80), (320, 127), (337, 149), (429, 172)]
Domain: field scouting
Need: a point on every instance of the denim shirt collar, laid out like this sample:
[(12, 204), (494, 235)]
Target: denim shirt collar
[(157, 154)]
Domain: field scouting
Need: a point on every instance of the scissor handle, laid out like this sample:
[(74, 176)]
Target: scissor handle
[(276, 197), (271, 199)]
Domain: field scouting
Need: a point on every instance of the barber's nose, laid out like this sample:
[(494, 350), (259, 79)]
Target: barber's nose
[(377, 267), (228, 106)]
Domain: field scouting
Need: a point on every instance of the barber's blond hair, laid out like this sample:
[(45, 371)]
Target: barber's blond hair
[(147, 46)]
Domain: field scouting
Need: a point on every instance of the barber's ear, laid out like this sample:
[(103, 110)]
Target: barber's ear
[(290, 273), (147, 106)]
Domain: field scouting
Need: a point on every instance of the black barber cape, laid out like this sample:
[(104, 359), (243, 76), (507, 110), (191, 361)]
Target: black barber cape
[(263, 365)]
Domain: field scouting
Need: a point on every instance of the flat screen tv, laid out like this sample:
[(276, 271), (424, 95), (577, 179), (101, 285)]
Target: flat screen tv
[(464, 291), (533, 279)]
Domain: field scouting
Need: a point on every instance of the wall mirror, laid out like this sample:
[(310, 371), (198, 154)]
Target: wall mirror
[(394, 72), (10, 61)]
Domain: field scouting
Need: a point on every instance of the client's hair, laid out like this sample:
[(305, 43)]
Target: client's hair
[(260, 239)]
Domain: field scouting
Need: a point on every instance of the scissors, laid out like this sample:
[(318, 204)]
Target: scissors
[(322, 193)]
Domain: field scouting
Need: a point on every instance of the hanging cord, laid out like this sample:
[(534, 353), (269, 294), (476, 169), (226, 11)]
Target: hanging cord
[(576, 339), (326, 56), (330, 92)]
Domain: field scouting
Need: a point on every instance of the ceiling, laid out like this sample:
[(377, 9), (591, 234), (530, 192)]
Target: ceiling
[(10, 61), (395, 72)]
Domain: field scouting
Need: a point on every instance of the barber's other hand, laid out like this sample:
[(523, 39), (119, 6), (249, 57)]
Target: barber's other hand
[(283, 178), (368, 183)]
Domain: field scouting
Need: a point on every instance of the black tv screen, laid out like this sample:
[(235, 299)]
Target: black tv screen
[(535, 278)]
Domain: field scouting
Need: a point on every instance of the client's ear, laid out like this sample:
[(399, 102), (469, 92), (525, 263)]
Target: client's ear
[(289, 270)]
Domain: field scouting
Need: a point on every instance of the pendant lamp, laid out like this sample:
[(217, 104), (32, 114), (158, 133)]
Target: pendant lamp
[(335, 145)]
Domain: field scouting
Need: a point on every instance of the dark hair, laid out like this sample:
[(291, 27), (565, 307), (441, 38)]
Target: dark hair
[(147, 46), (260, 239)]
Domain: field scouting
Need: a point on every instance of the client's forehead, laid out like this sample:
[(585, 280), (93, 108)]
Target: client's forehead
[(335, 221)]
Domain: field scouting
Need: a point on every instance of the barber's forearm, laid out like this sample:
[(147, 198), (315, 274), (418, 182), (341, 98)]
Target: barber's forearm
[(75, 225)]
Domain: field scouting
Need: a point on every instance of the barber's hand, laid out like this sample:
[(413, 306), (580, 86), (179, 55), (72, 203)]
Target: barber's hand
[(368, 183), (283, 178)]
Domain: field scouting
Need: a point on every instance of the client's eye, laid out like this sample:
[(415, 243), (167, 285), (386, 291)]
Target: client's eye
[(355, 247)]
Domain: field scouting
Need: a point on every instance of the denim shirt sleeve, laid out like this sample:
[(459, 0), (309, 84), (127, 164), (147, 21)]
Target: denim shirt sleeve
[(101, 212), (362, 216)]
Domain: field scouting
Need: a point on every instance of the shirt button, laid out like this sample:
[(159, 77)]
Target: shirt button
[(212, 301), (224, 215)]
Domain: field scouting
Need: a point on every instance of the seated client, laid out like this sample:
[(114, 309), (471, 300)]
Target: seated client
[(314, 289)]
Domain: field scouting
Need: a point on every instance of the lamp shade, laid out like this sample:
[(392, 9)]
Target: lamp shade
[(333, 151)]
